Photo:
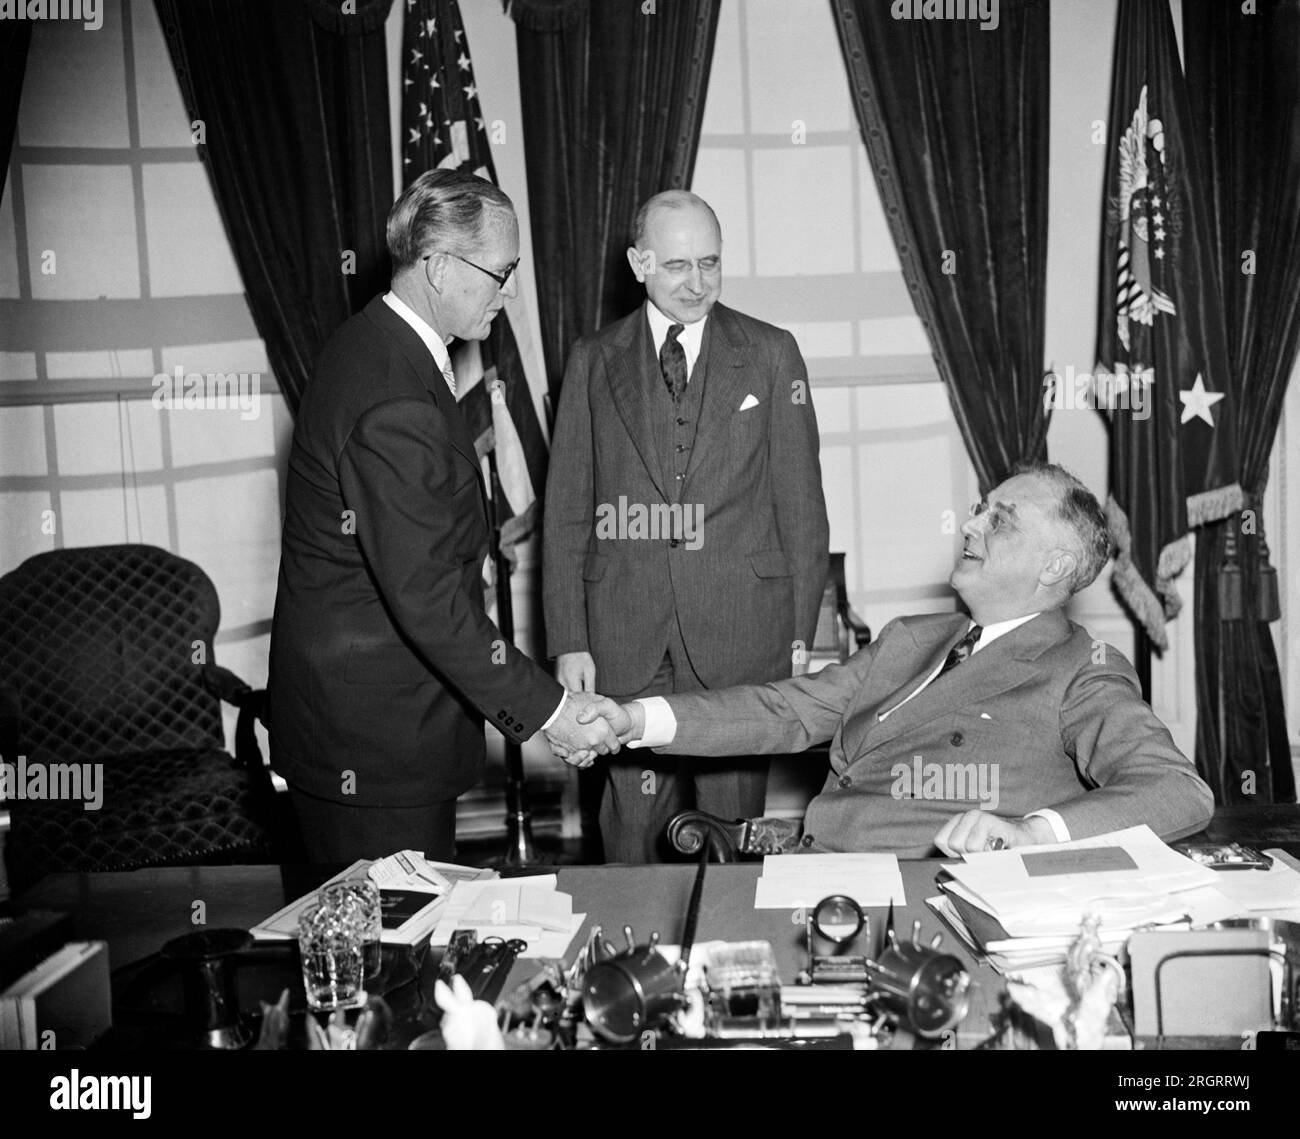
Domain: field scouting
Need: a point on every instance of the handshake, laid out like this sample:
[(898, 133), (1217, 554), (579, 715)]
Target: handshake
[(589, 725)]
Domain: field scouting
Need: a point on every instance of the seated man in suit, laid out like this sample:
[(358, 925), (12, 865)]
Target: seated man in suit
[(1011, 727)]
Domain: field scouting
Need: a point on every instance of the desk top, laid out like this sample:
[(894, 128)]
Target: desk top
[(136, 911)]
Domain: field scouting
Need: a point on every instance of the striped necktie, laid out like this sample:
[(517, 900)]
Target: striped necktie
[(450, 377)]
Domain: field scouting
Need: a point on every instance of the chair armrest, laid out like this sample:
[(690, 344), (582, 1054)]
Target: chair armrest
[(856, 625), (251, 702), (690, 830)]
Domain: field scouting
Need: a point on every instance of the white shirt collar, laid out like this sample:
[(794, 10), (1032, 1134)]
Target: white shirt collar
[(423, 329), (691, 338), (999, 629)]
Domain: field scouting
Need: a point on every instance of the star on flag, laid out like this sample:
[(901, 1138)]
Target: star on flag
[(1197, 402)]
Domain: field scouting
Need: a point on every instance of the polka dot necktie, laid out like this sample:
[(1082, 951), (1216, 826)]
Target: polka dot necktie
[(961, 650)]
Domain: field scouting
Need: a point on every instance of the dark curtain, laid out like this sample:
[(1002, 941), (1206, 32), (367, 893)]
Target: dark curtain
[(1244, 85), (955, 120), (292, 101), (15, 39), (613, 98)]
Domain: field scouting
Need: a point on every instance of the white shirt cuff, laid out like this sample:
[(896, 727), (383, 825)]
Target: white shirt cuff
[(660, 723), (556, 714), (1054, 821)]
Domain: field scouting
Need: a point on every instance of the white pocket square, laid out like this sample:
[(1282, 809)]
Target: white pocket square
[(750, 401)]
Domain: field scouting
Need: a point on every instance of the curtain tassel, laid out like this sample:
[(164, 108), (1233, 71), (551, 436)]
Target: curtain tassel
[(1230, 587), (1269, 607)]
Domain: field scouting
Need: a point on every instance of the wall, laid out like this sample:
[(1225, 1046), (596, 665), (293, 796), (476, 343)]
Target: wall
[(114, 267)]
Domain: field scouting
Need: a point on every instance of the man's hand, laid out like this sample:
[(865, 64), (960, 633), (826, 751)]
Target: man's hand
[(576, 671), (579, 743), (978, 830), (627, 720)]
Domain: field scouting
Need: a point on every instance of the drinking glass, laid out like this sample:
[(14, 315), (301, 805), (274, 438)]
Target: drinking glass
[(366, 895), (329, 940)]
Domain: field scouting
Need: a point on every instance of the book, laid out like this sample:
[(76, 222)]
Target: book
[(65, 1002)]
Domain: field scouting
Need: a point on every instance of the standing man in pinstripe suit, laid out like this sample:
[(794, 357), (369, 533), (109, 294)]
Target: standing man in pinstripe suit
[(685, 542)]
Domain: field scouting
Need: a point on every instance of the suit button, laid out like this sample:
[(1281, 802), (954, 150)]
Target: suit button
[(807, 840), (681, 447), (681, 422), (674, 542), (845, 781), (956, 739)]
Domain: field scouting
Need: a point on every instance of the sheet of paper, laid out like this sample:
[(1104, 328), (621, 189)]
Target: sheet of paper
[(509, 902), (464, 899), (1130, 877), (1276, 889), (792, 881)]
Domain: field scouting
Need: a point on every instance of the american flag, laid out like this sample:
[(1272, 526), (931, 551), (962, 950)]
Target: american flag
[(442, 126)]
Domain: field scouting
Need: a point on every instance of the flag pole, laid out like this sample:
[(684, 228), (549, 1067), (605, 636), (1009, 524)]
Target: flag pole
[(519, 816), (1142, 659)]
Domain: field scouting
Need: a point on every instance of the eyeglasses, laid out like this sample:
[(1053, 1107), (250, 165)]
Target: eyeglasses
[(998, 518), (681, 266), (502, 279)]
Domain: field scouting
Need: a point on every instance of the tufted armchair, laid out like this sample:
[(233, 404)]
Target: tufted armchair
[(106, 659)]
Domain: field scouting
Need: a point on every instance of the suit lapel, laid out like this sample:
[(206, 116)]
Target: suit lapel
[(628, 358), (723, 362), (420, 361), (896, 673), (1006, 663)]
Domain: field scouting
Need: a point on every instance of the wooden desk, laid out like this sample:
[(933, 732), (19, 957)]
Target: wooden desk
[(136, 912)]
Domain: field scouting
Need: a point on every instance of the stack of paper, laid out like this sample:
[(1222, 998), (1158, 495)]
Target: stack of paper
[(413, 891), (530, 909), (1024, 907), (795, 882)]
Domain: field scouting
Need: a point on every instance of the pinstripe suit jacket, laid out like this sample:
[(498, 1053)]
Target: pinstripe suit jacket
[(1054, 716), (754, 585)]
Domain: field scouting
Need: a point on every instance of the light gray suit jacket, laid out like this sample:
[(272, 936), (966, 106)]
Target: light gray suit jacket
[(1045, 716)]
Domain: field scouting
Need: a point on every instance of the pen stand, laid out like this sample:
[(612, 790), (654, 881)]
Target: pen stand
[(909, 983)]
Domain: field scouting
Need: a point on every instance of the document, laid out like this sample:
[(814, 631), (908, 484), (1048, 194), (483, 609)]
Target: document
[(1128, 878), (795, 881), (529, 909)]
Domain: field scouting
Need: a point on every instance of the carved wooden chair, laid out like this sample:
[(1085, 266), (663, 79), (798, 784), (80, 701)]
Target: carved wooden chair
[(793, 781)]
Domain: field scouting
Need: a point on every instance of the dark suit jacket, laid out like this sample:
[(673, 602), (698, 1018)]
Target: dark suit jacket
[(1054, 716), (383, 659), (754, 585)]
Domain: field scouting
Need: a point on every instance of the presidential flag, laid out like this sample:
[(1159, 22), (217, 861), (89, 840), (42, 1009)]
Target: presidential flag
[(442, 126), (1161, 353)]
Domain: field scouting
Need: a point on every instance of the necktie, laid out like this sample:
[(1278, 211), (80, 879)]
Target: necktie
[(961, 650), (450, 377), (672, 361)]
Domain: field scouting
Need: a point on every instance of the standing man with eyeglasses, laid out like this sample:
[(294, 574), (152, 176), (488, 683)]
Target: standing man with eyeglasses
[(384, 664), (685, 537)]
